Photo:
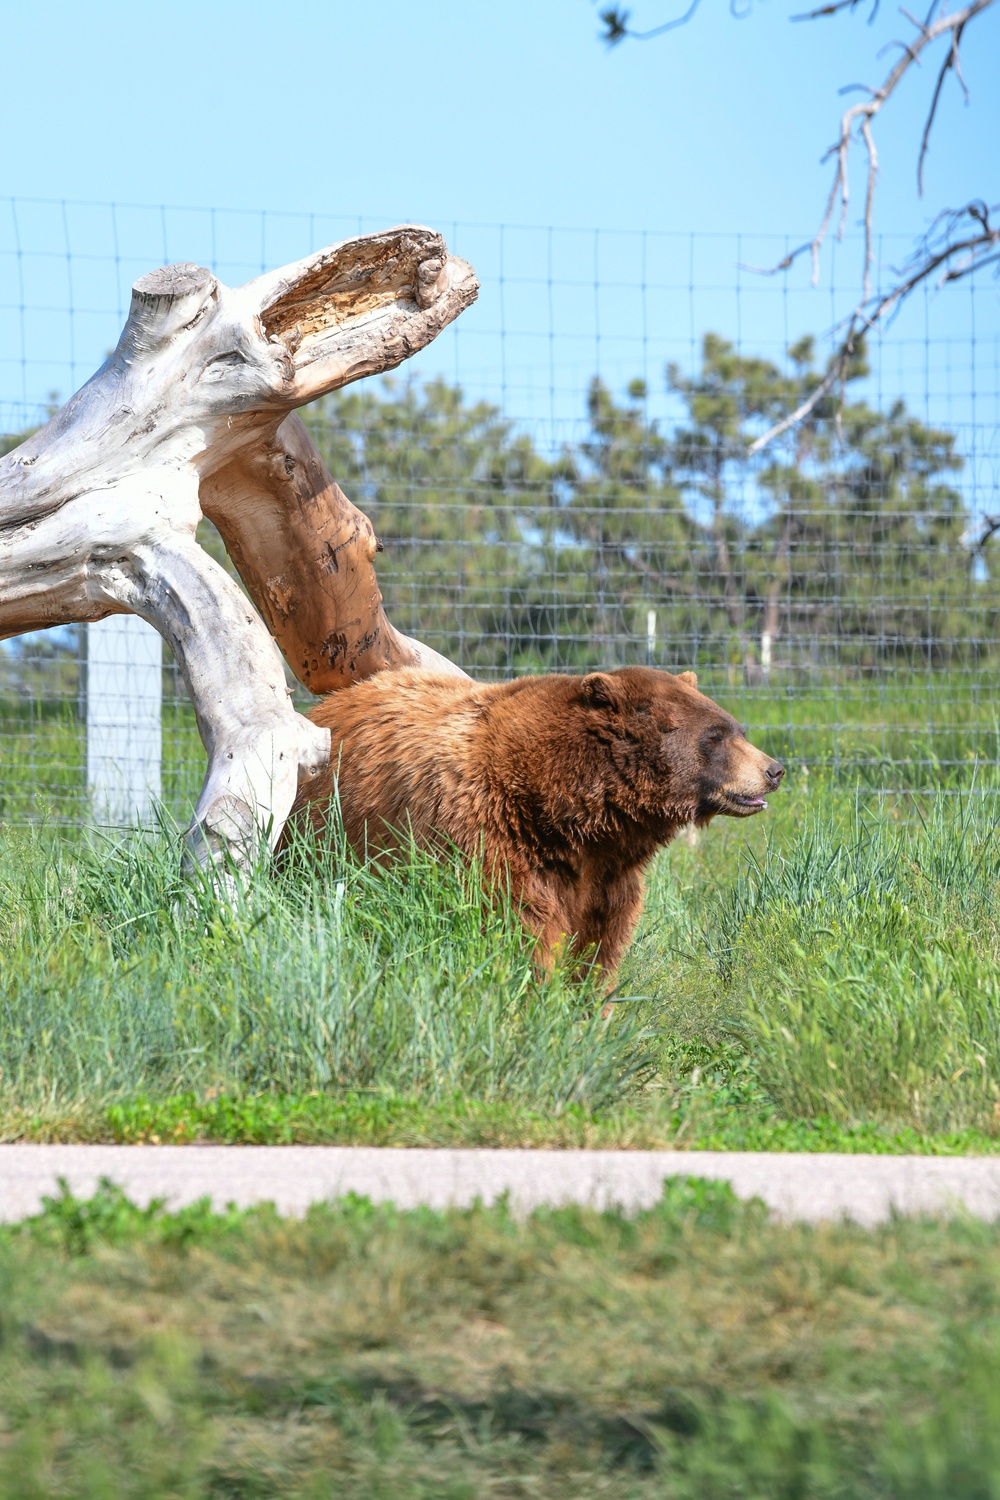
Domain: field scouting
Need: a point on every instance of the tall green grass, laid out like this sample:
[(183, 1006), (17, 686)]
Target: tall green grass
[(119, 980), (43, 760), (842, 967), (824, 976)]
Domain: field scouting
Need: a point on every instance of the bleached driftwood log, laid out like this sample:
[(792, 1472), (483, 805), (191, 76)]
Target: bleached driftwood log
[(190, 415)]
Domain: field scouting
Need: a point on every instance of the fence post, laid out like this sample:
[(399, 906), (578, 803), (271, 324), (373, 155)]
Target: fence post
[(124, 719)]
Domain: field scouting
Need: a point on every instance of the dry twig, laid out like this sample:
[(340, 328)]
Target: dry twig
[(860, 116), (940, 247), (959, 254), (615, 20), (944, 248)]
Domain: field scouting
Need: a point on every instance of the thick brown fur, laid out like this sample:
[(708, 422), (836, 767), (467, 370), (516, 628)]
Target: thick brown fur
[(570, 784)]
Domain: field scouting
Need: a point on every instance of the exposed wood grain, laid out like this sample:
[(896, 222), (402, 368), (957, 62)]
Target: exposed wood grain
[(306, 555)]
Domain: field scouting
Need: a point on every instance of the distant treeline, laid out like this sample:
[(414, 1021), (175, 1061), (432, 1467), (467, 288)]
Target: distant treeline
[(838, 549), (841, 548)]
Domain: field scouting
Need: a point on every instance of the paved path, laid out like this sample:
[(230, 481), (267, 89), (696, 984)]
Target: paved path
[(794, 1185)]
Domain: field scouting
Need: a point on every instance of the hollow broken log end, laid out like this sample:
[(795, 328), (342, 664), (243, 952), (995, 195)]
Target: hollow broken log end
[(362, 307)]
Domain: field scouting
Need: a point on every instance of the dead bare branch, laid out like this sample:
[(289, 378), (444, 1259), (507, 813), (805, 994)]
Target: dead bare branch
[(952, 246), (859, 117), (615, 19), (834, 376), (869, 204), (939, 248), (976, 535), (782, 265), (920, 25), (835, 9), (952, 63)]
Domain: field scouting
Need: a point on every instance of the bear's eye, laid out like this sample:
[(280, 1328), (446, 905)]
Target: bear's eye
[(714, 736)]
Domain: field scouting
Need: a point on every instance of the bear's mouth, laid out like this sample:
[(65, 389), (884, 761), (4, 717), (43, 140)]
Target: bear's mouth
[(744, 802)]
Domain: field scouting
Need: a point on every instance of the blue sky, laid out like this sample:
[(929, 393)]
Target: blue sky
[(490, 111), (338, 113)]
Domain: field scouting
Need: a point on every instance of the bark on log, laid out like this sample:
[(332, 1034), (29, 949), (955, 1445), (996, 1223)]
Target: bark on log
[(306, 556), (98, 510)]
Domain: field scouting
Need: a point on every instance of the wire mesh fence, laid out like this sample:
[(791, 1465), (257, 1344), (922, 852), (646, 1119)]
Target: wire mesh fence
[(562, 481)]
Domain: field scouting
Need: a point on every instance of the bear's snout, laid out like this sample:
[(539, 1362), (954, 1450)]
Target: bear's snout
[(751, 777)]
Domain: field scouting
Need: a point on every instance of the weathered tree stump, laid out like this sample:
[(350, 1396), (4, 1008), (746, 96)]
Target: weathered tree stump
[(190, 416)]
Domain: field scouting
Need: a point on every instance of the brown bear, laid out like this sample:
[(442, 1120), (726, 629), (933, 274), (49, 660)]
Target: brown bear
[(566, 786)]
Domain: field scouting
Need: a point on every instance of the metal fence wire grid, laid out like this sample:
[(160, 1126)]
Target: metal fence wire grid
[(562, 482)]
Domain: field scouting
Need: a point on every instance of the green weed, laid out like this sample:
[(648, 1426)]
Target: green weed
[(694, 1350), (824, 978), (118, 981)]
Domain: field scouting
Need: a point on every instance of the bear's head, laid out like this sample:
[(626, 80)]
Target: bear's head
[(674, 756)]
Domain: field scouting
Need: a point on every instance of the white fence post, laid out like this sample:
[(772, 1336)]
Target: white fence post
[(124, 719)]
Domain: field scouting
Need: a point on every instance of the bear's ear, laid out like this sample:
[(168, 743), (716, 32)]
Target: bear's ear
[(601, 691), (691, 678)]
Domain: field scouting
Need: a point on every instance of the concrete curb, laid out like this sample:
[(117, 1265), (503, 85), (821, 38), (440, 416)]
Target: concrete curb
[(796, 1186)]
